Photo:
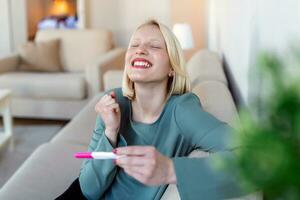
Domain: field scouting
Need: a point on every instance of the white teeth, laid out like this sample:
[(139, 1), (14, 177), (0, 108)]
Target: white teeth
[(141, 63)]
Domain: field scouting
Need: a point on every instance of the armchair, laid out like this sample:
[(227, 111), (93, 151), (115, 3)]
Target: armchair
[(85, 55)]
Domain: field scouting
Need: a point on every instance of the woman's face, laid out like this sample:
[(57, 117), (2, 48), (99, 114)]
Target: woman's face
[(147, 60)]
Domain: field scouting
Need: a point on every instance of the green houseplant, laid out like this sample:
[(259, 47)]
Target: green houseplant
[(269, 157)]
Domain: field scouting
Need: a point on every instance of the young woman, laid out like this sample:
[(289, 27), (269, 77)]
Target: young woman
[(155, 122)]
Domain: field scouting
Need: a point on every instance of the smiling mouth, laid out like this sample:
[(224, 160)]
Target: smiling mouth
[(141, 63)]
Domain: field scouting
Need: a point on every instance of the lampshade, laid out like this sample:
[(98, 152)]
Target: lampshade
[(183, 33), (60, 8)]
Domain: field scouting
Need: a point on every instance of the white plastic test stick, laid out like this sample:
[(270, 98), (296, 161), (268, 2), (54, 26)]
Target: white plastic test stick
[(97, 155)]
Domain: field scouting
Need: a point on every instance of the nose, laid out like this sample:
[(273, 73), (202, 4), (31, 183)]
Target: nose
[(141, 50)]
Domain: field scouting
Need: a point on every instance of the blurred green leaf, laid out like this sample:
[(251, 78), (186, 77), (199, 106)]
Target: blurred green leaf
[(269, 157)]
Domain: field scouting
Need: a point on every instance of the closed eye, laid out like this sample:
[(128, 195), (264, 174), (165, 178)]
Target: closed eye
[(156, 47), (134, 45)]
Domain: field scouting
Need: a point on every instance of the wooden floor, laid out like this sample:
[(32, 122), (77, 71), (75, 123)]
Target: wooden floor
[(28, 135)]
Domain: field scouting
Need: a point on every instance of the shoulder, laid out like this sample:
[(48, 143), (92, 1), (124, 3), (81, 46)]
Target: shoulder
[(187, 105), (187, 99), (191, 118)]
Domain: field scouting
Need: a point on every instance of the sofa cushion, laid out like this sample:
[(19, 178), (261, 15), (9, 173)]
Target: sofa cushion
[(78, 47), (46, 108), (216, 99), (45, 85), (205, 65), (40, 56), (45, 174)]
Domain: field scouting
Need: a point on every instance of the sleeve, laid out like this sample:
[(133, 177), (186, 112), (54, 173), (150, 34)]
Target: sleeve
[(199, 177), (97, 175)]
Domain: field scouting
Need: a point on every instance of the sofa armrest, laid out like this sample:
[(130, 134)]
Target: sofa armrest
[(217, 100), (9, 63), (94, 72), (205, 65)]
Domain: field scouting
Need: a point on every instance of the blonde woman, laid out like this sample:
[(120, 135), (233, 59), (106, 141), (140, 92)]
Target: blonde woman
[(155, 122)]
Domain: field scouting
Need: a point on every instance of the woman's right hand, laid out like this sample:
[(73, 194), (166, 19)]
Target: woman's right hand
[(109, 110)]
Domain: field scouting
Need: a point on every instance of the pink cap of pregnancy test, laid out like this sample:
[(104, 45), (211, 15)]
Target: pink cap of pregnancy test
[(83, 155)]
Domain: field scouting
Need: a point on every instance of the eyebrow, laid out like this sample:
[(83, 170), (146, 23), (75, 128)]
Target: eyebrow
[(151, 40)]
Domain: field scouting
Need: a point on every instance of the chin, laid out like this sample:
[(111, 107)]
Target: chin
[(137, 80), (137, 76)]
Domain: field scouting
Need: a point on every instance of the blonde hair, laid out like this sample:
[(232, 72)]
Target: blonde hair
[(179, 82)]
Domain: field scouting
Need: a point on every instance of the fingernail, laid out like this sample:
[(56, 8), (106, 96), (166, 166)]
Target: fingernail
[(113, 95)]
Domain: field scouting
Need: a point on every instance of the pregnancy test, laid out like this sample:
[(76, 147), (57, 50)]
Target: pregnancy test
[(97, 155)]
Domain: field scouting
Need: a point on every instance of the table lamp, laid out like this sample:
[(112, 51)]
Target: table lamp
[(183, 32)]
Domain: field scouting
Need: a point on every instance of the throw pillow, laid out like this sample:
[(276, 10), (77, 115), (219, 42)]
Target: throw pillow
[(40, 56)]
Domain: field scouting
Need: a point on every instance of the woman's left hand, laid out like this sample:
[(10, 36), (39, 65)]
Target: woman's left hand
[(146, 164)]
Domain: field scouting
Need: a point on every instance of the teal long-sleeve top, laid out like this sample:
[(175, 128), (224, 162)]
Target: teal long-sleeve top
[(181, 128)]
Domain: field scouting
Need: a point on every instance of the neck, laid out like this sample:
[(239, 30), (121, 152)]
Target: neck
[(149, 102)]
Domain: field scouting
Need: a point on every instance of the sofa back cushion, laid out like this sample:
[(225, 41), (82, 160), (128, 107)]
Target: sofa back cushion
[(78, 47), (217, 100), (205, 65)]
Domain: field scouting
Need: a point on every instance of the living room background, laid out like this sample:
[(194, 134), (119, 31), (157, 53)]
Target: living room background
[(219, 27)]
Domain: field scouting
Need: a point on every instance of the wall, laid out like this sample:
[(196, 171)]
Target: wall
[(122, 17), (35, 12), (103, 14), (278, 23), (193, 12), (5, 38), (18, 22), (82, 10), (240, 29), (135, 12), (13, 25)]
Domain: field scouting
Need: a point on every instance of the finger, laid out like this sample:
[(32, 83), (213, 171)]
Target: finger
[(109, 102), (106, 100), (112, 94), (136, 169), (134, 150), (113, 107), (104, 97), (131, 161), (130, 151), (137, 176), (99, 102)]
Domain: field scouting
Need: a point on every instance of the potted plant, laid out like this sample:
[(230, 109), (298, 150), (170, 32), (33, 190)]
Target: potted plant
[(268, 159)]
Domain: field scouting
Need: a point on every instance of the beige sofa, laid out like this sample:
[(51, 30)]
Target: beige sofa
[(51, 168), (85, 55)]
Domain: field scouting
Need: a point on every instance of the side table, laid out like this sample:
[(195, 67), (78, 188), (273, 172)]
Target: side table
[(5, 111)]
